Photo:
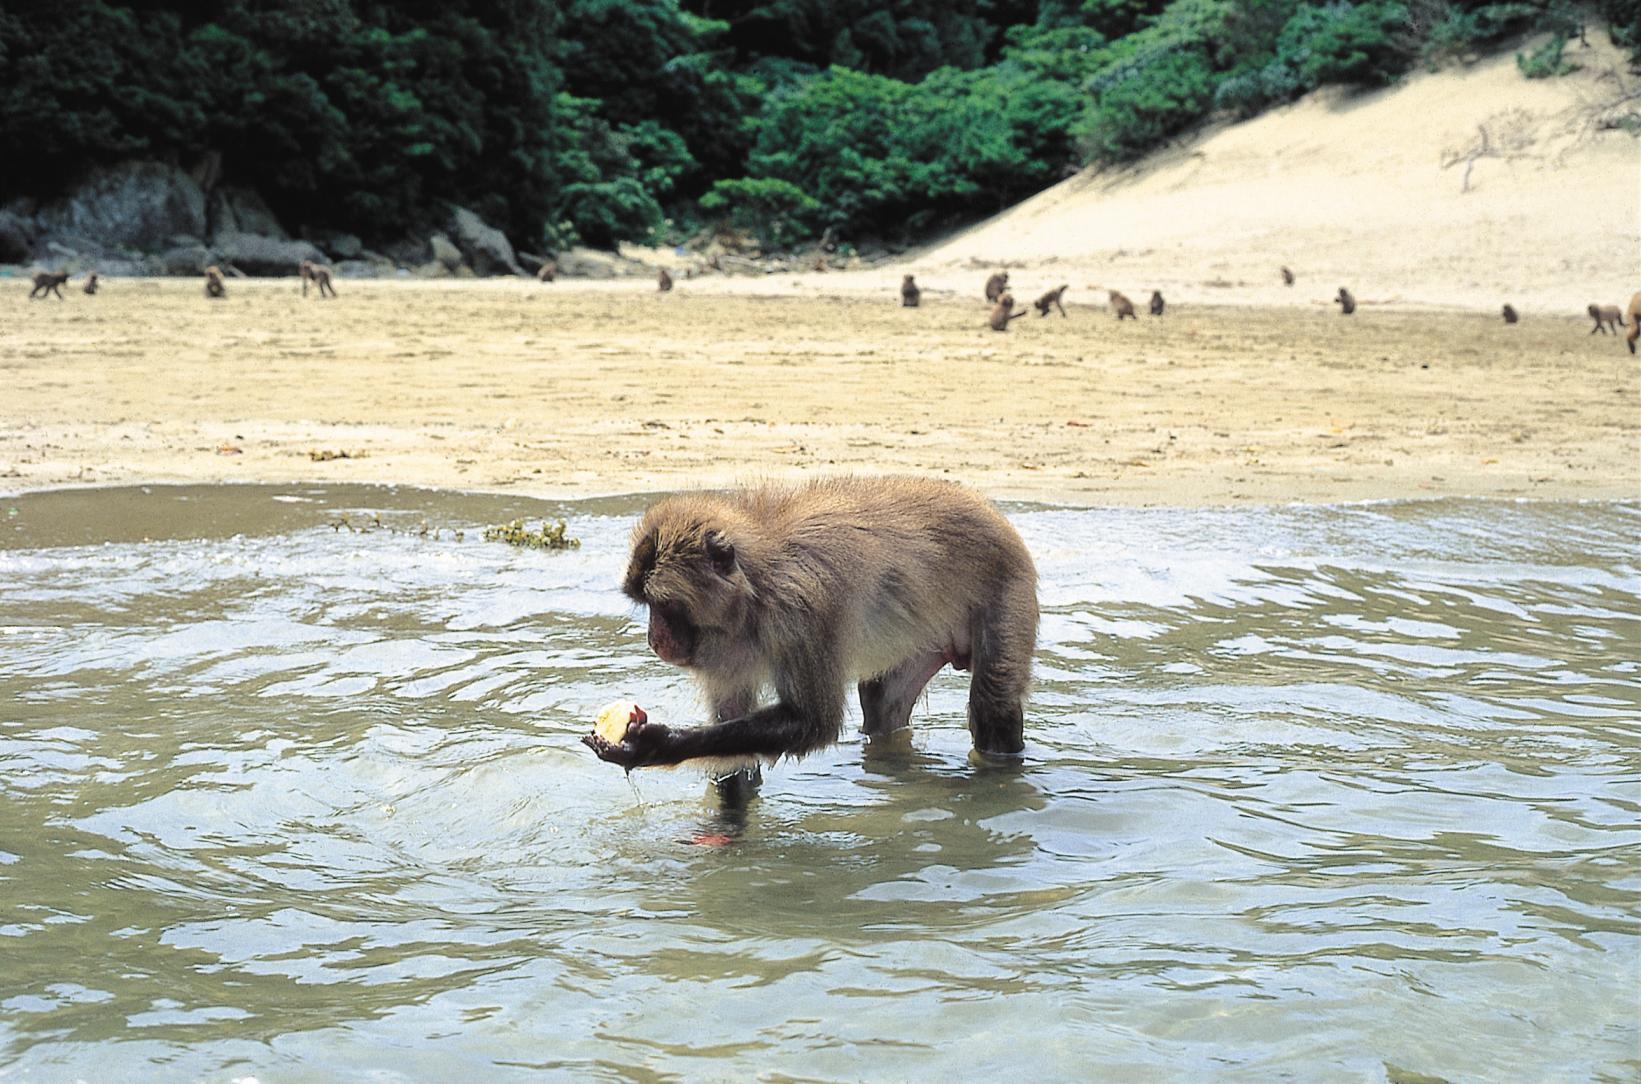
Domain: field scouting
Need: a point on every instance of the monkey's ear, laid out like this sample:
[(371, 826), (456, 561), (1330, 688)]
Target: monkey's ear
[(721, 552)]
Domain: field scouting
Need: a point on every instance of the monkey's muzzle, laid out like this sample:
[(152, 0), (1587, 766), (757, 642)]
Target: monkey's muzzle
[(671, 636)]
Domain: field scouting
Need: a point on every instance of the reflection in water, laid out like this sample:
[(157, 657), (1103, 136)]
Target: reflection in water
[(1330, 792)]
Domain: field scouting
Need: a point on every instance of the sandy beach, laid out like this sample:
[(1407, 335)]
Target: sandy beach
[(580, 389)]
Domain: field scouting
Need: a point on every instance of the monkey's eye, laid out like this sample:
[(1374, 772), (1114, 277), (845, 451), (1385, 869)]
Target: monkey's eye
[(721, 552)]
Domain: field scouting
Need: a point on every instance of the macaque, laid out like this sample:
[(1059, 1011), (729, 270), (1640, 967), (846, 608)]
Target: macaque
[(804, 589), (1605, 316), (663, 281), (1051, 300), (910, 295), (548, 271), (996, 285), (1122, 306), (319, 275), (1157, 303), (1510, 315), (1003, 312), (48, 282), (91, 283), (1287, 277), (215, 288), (1632, 318), (1346, 303)]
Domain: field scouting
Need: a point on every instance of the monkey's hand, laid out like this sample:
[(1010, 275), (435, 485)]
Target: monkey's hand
[(645, 744)]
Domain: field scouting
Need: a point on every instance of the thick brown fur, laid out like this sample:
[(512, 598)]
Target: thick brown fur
[(1051, 300), (1287, 277), (215, 288), (319, 275), (48, 282), (1003, 312), (803, 589), (1157, 303), (1122, 306), (1510, 314), (1632, 320), (997, 286), (1605, 316), (1346, 302), (910, 295), (663, 281)]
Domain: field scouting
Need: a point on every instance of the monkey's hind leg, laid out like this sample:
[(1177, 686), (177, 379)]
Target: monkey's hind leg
[(1003, 638), (886, 701)]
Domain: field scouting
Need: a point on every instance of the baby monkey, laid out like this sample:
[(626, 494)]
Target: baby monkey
[(802, 590)]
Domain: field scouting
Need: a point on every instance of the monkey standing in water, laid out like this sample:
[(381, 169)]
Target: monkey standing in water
[(91, 283), (663, 281), (1157, 303), (910, 295), (1632, 319), (1510, 316), (1122, 306), (319, 275), (804, 589), (1605, 316), (996, 286), (1051, 300), (1003, 312), (1346, 303), (215, 288), (48, 282)]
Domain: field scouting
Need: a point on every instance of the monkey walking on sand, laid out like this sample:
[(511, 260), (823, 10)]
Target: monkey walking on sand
[(1510, 315), (910, 295), (1051, 300), (805, 589), (1605, 316), (215, 288), (996, 286), (48, 282), (1157, 303), (319, 275), (1346, 303), (1122, 306), (1003, 312)]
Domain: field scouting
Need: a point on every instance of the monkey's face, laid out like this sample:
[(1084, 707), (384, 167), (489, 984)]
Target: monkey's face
[(686, 573)]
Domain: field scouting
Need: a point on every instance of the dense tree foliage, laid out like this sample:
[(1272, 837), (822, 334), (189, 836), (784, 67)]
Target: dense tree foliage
[(607, 120)]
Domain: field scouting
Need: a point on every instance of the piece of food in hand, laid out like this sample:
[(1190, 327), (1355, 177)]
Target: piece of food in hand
[(615, 717)]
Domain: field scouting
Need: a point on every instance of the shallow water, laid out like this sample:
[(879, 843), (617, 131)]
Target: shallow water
[(1313, 793)]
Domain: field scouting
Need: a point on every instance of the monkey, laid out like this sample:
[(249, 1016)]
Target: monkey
[(1510, 315), (1632, 319), (1051, 300), (319, 275), (1122, 306), (663, 282), (910, 295), (48, 282), (1605, 316), (995, 286), (91, 283), (1287, 277), (819, 264), (215, 288), (808, 587), (1003, 312), (1157, 303), (548, 271), (1346, 303)]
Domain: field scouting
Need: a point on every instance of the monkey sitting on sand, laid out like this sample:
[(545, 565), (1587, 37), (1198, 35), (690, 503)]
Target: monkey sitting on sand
[(1157, 303), (1003, 312), (1122, 306), (215, 288), (996, 285), (803, 590), (91, 283), (663, 281), (1346, 303), (1510, 315), (910, 295)]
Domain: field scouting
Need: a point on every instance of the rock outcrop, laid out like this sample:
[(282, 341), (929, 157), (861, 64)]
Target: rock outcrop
[(485, 248), (132, 206)]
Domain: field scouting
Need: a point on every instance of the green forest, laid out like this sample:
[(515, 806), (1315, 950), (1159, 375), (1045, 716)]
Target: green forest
[(598, 121)]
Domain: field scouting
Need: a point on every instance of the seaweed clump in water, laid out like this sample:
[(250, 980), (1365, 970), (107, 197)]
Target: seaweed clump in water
[(549, 536)]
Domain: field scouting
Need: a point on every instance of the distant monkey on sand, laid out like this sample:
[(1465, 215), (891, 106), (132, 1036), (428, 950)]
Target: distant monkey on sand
[(548, 272), (215, 288), (996, 285), (910, 295), (1605, 316), (1051, 300), (663, 281), (1003, 312), (1287, 277), (1632, 319), (319, 275), (1346, 303), (1122, 306), (1157, 303), (1510, 315), (48, 282), (91, 283)]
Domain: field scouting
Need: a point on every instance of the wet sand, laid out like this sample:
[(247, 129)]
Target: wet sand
[(579, 389)]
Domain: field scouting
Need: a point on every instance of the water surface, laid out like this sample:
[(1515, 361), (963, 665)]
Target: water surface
[(1313, 793)]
